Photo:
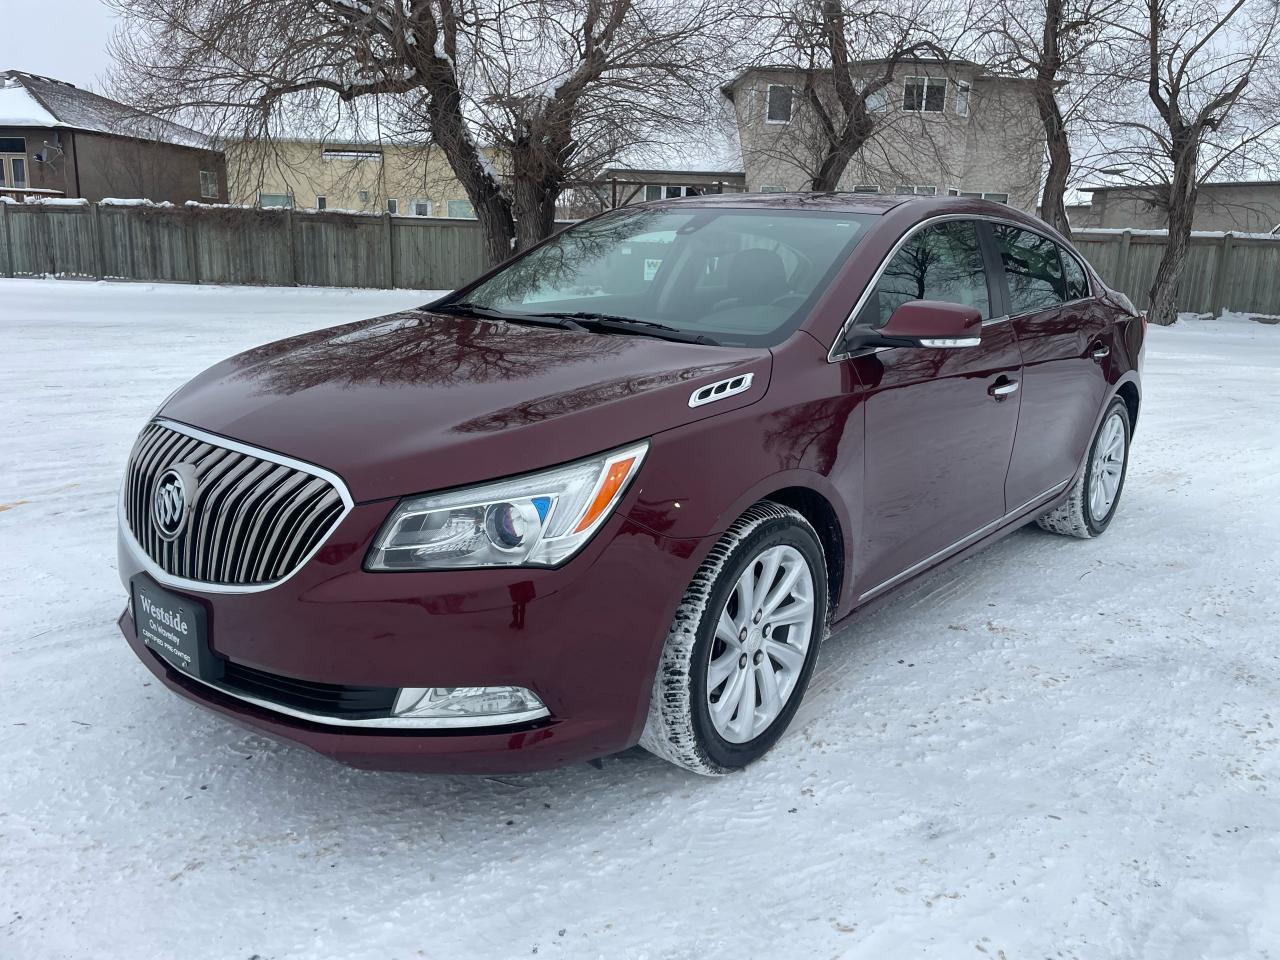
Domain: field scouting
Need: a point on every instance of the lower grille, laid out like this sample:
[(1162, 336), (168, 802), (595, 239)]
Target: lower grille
[(329, 699)]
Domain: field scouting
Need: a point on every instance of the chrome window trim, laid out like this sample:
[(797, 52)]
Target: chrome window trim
[(962, 542), (164, 578), (374, 723), (833, 357)]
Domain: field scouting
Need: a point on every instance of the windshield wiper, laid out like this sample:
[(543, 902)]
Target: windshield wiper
[(531, 319), (608, 321)]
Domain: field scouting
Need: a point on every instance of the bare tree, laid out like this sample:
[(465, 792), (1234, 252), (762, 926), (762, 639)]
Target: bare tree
[(1207, 70), (1053, 43), (521, 96), (847, 52)]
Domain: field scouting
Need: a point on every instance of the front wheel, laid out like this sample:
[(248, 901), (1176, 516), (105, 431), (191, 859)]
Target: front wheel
[(742, 646), (1095, 495)]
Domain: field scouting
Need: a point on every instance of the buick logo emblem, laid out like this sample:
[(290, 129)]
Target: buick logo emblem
[(172, 498)]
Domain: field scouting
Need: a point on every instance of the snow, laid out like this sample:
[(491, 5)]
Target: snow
[(19, 109), (1058, 748)]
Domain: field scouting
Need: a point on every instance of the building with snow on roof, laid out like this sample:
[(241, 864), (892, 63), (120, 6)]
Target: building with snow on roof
[(57, 140)]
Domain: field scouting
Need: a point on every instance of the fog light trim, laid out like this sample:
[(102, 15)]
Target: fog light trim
[(469, 706)]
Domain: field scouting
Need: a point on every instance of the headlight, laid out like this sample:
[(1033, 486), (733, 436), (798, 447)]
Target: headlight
[(538, 520)]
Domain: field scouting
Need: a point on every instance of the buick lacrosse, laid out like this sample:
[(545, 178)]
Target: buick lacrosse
[(619, 489)]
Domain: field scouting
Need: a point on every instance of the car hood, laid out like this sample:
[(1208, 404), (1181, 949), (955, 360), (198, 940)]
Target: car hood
[(418, 401)]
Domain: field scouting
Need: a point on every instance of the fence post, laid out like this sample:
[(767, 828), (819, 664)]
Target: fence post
[(8, 240), (1218, 296), (1122, 262), (391, 251), (193, 237), (293, 245), (99, 267), (46, 237)]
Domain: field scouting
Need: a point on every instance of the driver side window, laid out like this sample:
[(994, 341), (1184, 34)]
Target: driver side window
[(942, 262)]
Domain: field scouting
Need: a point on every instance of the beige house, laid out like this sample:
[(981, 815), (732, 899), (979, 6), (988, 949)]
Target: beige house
[(366, 177), (1244, 206), (945, 128)]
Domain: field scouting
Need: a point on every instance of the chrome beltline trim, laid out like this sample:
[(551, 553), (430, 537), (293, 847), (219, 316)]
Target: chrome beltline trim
[(375, 723), (163, 577), (961, 543)]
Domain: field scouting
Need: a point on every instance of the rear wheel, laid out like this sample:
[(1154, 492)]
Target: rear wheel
[(742, 645), (1095, 495)]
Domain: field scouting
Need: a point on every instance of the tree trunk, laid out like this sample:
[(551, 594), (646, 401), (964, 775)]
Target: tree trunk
[(535, 210), (1053, 208), (1182, 205)]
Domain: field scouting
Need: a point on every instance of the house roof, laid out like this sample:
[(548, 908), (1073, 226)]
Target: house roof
[(29, 100), (785, 69), (1140, 187)]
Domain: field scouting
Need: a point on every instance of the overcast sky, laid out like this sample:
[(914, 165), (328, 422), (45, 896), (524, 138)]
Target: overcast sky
[(63, 39)]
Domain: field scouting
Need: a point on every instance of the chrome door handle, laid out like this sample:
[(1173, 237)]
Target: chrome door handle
[(1101, 352), (1003, 388)]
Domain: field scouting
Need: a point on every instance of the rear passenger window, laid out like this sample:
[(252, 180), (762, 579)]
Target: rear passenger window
[(1077, 283), (1032, 268), (941, 262)]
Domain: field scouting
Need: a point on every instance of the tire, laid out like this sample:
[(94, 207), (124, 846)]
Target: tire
[(701, 730), (1087, 512)]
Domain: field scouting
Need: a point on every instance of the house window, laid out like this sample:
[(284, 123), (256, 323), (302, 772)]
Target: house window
[(953, 191), (778, 104), (772, 188), (364, 196), (351, 156), (208, 185), (13, 145), (322, 203), (275, 200), (422, 208), (907, 190), (880, 101), (866, 188), (997, 197), (393, 206), (462, 208), (962, 99), (653, 191), (13, 172), (970, 196), (924, 95)]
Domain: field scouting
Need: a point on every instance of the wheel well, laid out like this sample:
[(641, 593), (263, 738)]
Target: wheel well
[(1128, 392), (815, 508)]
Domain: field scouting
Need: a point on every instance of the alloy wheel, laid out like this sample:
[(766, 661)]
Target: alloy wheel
[(1107, 468), (761, 643)]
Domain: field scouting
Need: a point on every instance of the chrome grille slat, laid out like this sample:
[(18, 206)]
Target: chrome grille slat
[(255, 516)]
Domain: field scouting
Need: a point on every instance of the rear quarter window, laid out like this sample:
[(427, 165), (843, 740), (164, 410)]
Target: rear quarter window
[(1077, 280)]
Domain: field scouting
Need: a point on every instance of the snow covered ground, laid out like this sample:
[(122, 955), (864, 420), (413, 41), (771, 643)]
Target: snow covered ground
[(1056, 749)]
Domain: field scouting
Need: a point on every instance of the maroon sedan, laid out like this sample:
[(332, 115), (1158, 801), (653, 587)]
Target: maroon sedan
[(618, 490)]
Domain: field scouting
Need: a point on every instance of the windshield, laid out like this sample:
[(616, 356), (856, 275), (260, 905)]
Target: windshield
[(733, 276)]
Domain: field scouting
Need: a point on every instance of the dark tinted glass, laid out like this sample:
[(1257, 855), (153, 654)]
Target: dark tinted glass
[(13, 145), (1077, 283), (942, 262), (1032, 268)]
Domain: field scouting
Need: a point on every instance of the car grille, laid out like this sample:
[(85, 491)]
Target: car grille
[(329, 699), (251, 520)]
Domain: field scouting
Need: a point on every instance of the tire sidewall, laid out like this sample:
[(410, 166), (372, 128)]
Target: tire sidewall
[(773, 532), (1097, 526)]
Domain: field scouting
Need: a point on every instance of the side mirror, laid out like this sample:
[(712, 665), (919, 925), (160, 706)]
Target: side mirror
[(923, 323)]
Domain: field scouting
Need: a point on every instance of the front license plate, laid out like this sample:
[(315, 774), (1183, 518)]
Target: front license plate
[(174, 627)]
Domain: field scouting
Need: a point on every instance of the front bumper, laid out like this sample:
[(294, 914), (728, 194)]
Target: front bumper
[(585, 638)]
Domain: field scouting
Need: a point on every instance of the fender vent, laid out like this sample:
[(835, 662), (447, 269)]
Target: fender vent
[(721, 389)]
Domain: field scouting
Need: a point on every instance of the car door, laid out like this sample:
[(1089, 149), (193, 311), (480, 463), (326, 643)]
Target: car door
[(939, 423), (1062, 332)]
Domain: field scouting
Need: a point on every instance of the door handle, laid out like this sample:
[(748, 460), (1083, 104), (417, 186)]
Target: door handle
[(1003, 388), (1100, 352)]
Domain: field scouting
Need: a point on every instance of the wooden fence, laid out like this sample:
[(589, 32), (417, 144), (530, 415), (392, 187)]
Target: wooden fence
[(204, 244), (200, 244), (1222, 271)]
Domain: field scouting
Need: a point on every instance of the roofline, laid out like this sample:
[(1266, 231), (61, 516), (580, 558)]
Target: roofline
[(1167, 186), (682, 172), (982, 72)]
